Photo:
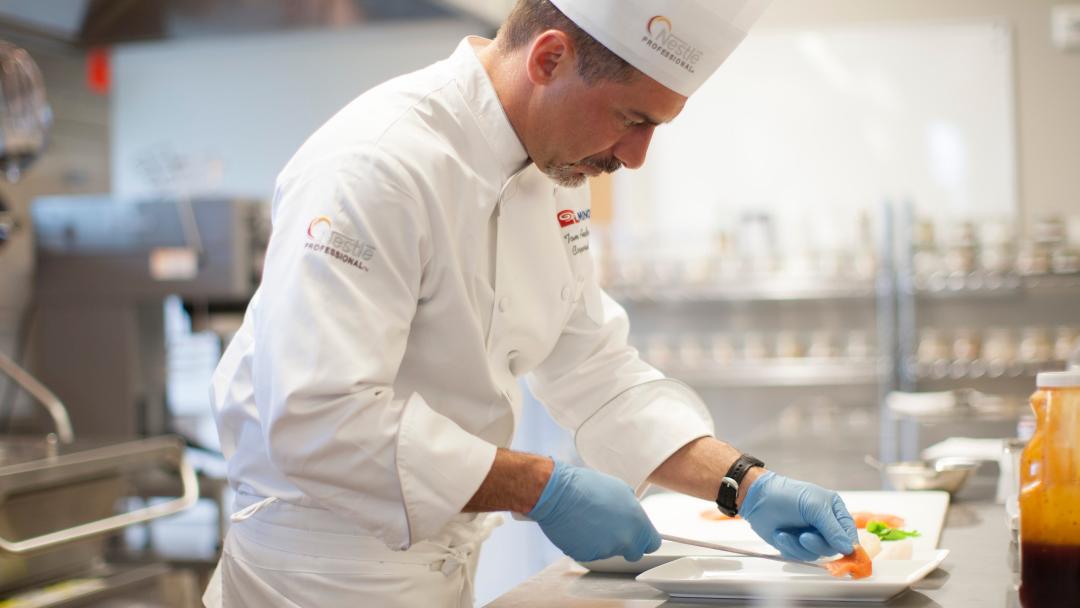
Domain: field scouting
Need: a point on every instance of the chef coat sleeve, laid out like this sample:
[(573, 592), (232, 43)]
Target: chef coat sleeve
[(627, 418), (340, 288)]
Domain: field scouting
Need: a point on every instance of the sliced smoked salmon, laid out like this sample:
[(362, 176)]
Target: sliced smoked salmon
[(864, 517), (858, 564)]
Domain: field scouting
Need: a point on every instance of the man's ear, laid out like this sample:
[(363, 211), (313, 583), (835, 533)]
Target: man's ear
[(551, 54)]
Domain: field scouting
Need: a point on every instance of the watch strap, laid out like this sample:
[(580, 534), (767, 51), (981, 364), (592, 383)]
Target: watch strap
[(729, 486)]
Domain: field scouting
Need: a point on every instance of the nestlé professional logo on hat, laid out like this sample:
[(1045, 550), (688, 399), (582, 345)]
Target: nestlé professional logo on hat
[(662, 40)]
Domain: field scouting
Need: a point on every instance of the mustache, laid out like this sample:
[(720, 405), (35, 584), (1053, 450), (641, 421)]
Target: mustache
[(604, 165)]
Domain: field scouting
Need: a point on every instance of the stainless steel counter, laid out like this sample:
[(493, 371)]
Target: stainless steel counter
[(976, 574)]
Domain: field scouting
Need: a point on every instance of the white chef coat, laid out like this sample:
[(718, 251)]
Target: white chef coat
[(417, 267)]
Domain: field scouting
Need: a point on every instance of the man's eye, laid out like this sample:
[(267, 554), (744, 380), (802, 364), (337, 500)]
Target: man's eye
[(629, 124)]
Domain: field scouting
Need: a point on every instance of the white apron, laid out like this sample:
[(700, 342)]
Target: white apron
[(278, 554)]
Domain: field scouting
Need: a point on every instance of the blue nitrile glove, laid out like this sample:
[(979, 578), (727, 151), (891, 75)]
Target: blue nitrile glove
[(802, 520), (590, 516)]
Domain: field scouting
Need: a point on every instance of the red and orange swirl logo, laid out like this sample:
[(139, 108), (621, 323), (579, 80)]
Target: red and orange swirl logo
[(314, 230), (566, 218), (658, 21)]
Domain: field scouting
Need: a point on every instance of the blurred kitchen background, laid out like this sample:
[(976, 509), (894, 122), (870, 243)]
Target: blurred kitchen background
[(866, 225)]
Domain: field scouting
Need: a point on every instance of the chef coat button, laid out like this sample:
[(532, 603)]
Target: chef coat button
[(566, 293), (504, 304)]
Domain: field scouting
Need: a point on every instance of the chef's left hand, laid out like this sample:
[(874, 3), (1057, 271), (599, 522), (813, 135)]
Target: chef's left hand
[(800, 519)]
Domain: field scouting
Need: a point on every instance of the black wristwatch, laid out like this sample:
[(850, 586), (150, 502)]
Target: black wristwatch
[(729, 485)]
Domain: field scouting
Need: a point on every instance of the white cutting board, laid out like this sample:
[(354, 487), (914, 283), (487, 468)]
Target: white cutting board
[(680, 515)]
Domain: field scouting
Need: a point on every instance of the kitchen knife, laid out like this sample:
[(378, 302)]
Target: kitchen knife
[(737, 551)]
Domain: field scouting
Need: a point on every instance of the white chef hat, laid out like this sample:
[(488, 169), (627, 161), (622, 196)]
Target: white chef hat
[(679, 43)]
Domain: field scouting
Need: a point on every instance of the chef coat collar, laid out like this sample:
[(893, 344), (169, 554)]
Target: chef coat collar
[(483, 102)]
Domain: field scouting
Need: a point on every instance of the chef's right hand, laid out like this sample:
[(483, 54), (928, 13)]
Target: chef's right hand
[(590, 516), (800, 519)]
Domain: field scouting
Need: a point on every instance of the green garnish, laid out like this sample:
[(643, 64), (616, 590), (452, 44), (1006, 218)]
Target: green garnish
[(884, 532)]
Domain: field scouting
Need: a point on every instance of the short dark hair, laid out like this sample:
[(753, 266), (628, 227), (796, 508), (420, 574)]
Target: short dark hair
[(595, 62)]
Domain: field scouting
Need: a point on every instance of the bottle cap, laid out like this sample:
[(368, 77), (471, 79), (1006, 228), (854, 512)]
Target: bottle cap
[(1069, 379)]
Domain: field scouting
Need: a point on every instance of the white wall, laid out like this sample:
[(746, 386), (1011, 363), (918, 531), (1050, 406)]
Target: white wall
[(234, 110), (1047, 81), (814, 125)]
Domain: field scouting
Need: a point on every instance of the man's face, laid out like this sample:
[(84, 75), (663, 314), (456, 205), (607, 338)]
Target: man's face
[(585, 130)]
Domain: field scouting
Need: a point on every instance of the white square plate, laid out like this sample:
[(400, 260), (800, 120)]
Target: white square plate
[(741, 578)]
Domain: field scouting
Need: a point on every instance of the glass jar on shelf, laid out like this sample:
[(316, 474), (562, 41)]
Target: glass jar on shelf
[(697, 271), (996, 247), (932, 346), (1049, 230), (691, 354), (966, 345), (1064, 261), (1066, 340), (961, 254), (723, 350), (858, 345), (999, 350), (960, 259), (754, 348), (821, 345), (1035, 346), (788, 345), (1033, 259)]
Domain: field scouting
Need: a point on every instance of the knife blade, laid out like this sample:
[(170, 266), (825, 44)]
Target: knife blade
[(737, 551)]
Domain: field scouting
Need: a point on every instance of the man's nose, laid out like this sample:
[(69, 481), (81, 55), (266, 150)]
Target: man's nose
[(634, 146)]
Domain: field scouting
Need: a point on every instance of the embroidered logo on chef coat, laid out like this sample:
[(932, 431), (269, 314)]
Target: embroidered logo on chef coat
[(575, 230), (566, 218), (569, 217), (322, 238)]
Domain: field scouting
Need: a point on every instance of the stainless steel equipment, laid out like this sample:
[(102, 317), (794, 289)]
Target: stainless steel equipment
[(104, 269), (945, 474), (25, 117), (61, 498), (58, 502), (48, 400), (948, 474)]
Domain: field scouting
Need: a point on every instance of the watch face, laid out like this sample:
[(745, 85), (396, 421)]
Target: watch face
[(725, 498)]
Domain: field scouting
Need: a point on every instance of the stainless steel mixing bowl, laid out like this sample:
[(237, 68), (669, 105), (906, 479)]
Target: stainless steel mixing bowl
[(948, 474)]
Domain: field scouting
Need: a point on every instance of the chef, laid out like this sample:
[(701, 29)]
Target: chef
[(430, 247)]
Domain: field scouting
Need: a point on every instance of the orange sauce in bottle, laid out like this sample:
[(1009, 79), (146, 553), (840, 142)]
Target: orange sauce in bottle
[(1050, 496)]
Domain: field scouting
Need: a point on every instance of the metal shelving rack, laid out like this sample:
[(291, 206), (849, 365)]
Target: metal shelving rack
[(800, 372), (686, 303), (982, 299), (754, 290), (892, 307), (746, 393)]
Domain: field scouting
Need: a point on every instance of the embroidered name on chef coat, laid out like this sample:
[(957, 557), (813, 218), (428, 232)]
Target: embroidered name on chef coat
[(575, 229), (322, 238)]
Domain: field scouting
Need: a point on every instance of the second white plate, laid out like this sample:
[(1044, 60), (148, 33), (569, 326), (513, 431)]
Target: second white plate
[(741, 578)]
